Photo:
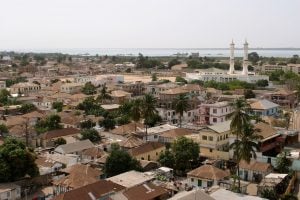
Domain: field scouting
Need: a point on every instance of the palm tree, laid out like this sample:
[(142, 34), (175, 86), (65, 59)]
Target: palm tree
[(181, 105), (287, 118), (239, 119), (245, 147), (136, 111), (149, 110), (104, 95)]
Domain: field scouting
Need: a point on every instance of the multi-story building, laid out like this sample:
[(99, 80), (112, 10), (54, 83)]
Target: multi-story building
[(2, 85), (71, 88), (24, 88), (268, 68), (212, 113), (10, 191), (100, 79), (214, 141), (135, 88), (284, 98), (155, 89), (264, 108)]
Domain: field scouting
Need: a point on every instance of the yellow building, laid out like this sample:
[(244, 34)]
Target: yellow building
[(214, 141), (148, 151)]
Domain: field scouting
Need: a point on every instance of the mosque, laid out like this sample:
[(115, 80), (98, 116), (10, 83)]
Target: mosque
[(219, 75)]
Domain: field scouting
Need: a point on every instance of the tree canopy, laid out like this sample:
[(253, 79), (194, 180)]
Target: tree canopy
[(120, 161), (58, 106), (16, 161), (91, 134), (89, 89), (52, 122), (183, 156), (27, 107)]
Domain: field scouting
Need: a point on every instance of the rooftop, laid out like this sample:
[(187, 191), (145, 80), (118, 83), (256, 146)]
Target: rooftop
[(208, 172), (131, 178), (74, 147), (221, 127), (263, 105), (255, 166), (90, 191), (146, 147), (222, 194)]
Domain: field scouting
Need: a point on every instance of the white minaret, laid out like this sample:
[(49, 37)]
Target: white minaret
[(231, 61), (245, 60)]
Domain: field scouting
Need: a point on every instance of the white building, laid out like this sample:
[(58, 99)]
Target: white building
[(232, 74), (100, 79), (214, 113), (10, 191)]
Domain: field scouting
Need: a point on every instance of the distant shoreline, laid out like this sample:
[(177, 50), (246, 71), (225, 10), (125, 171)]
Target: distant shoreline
[(162, 52)]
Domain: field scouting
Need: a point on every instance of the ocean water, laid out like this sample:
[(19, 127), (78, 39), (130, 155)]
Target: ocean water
[(209, 52)]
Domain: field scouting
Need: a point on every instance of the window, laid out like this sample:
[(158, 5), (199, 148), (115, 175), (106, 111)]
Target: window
[(148, 157), (209, 183), (204, 137), (199, 182), (211, 138), (189, 114), (226, 135), (210, 150), (192, 179), (156, 153), (214, 110), (142, 158), (214, 119), (155, 136)]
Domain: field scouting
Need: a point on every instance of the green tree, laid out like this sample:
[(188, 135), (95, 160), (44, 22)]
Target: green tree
[(282, 163), (294, 59), (173, 62), (287, 119), (167, 159), (253, 57), (262, 83), (91, 107), (90, 134), (3, 129), (249, 94), (27, 107), (88, 89), (181, 105), (58, 105), (246, 146), (180, 79), (104, 95), (108, 122), (289, 197), (119, 162), (87, 124), (186, 154), (4, 96), (149, 110), (60, 141), (239, 119), (52, 122), (16, 161), (154, 77), (269, 194), (136, 111)]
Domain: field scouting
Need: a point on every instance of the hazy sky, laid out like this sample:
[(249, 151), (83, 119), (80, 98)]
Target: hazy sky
[(29, 24)]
